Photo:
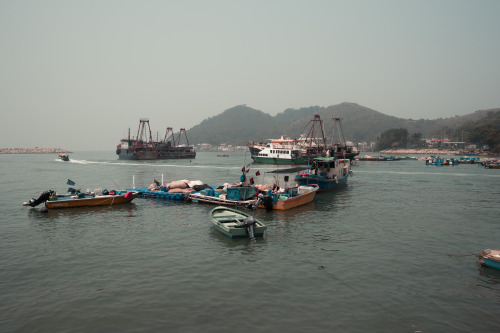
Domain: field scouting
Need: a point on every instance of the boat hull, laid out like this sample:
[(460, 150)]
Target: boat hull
[(160, 154), (224, 220), (126, 154), (490, 258), (105, 200), (176, 153), (324, 184), (309, 192), (147, 155), (491, 263), (273, 160)]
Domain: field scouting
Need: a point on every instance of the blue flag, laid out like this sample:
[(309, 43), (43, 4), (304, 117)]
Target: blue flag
[(70, 182)]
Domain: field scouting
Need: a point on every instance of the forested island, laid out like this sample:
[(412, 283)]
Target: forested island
[(35, 150), (241, 124)]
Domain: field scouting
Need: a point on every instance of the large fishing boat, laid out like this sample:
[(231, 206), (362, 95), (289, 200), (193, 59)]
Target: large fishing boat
[(142, 147), (304, 149), (293, 151), (329, 173), (282, 151)]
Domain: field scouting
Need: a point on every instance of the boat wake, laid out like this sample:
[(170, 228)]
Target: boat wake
[(156, 165)]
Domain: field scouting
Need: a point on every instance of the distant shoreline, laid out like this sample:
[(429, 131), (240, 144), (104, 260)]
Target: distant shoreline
[(33, 151), (430, 151), (422, 151)]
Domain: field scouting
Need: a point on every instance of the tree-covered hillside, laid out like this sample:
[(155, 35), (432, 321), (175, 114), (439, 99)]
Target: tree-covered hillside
[(241, 124), (485, 131)]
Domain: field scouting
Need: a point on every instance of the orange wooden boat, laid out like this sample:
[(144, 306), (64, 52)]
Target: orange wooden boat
[(493, 166), (292, 197), (53, 201)]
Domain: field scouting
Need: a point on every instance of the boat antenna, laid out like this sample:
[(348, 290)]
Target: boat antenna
[(118, 187)]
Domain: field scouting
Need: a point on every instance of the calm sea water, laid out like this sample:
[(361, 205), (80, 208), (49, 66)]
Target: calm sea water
[(394, 251)]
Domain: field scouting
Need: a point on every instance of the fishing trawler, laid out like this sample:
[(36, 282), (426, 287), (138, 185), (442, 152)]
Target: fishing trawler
[(142, 147), (306, 148)]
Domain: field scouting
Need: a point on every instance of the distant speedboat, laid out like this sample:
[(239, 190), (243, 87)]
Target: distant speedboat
[(63, 157), (490, 258)]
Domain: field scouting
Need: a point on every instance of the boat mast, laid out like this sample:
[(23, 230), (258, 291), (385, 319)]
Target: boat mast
[(311, 134), (337, 123), (183, 130), (169, 130), (142, 134)]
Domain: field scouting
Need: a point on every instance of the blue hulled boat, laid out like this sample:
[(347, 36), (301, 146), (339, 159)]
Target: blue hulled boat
[(328, 173), (490, 258), (439, 161)]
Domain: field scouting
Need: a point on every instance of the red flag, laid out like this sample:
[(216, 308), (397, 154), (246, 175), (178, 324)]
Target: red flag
[(257, 173), (243, 169), (251, 180)]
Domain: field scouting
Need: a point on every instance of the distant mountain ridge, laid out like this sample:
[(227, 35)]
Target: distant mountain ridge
[(241, 124)]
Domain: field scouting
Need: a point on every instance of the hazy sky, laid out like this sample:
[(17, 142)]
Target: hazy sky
[(77, 74)]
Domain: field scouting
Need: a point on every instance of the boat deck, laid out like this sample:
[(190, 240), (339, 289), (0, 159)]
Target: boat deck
[(145, 193), (198, 197)]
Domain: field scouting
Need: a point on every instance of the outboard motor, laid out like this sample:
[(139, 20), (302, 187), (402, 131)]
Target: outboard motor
[(266, 200), (248, 223), (260, 197), (42, 198)]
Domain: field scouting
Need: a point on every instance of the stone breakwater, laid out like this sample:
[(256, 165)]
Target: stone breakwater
[(33, 151), (428, 151)]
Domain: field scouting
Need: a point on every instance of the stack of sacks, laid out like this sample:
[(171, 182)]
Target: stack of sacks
[(198, 185), (264, 188), (179, 186), (192, 183)]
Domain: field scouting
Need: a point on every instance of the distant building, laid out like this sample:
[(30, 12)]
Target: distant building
[(447, 143)]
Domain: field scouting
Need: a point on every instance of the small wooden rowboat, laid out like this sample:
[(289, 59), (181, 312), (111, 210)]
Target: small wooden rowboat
[(490, 258), (235, 223), (53, 200)]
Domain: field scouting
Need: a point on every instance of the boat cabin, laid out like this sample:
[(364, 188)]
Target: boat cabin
[(330, 167), (279, 153)]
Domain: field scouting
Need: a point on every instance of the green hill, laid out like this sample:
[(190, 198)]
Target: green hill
[(241, 123)]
